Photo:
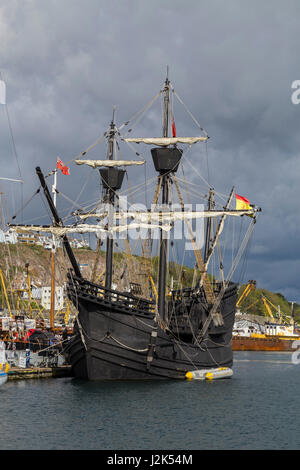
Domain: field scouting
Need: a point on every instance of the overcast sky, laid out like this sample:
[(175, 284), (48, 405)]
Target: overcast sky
[(67, 62)]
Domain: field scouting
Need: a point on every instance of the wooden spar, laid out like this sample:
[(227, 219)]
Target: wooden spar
[(208, 224), (52, 308), (58, 222)]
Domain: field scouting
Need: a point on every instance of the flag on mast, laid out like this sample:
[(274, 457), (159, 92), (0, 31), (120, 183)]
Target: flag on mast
[(242, 204), (2, 92), (60, 166), (173, 126)]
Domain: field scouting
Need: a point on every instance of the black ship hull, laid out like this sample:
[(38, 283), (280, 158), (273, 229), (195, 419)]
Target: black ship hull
[(116, 337)]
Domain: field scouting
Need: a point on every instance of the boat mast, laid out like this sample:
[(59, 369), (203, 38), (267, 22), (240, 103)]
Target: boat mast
[(166, 161), (110, 198), (162, 274), (112, 179)]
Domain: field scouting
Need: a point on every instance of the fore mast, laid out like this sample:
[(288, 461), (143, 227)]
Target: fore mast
[(112, 179)]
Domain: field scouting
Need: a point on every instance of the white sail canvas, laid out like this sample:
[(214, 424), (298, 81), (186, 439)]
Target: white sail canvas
[(2, 92)]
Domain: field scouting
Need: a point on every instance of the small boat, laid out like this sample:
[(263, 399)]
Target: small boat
[(3, 374), (3, 364)]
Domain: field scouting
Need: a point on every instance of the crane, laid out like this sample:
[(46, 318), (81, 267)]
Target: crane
[(282, 316), (268, 310), (153, 287), (251, 285)]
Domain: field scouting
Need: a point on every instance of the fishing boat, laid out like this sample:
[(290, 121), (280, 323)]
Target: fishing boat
[(276, 331), (129, 335), (3, 364), (263, 335)]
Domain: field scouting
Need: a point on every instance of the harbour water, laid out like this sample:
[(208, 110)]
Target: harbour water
[(256, 409)]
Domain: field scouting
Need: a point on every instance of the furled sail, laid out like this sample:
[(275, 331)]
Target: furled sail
[(169, 216), (85, 228), (58, 230), (109, 163), (164, 141)]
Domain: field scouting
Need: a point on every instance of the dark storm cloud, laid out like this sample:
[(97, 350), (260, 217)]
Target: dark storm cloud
[(67, 62)]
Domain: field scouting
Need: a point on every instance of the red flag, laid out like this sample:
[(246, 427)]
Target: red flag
[(59, 164), (64, 169), (173, 126)]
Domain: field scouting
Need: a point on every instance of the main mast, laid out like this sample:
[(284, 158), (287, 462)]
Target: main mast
[(110, 198), (166, 161), (165, 199)]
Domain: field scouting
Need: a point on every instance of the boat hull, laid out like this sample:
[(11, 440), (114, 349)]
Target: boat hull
[(116, 343)]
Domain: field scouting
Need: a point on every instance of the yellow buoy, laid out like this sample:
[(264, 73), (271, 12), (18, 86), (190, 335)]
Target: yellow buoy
[(189, 376)]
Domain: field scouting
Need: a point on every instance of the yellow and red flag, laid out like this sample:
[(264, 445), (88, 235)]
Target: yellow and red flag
[(243, 204)]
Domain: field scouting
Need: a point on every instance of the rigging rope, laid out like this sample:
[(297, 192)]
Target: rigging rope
[(221, 293), (13, 141), (26, 204), (191, 115)]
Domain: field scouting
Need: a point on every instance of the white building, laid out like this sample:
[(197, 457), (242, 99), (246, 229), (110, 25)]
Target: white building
[(11, 236), (36, 293), (76, 243), (8, 236), (46, 297)]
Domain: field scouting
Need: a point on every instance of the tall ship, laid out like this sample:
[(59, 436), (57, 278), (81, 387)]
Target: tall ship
[(159, 331)]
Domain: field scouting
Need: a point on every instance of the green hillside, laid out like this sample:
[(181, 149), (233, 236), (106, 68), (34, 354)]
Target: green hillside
[(253, 303), (13, 259)]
